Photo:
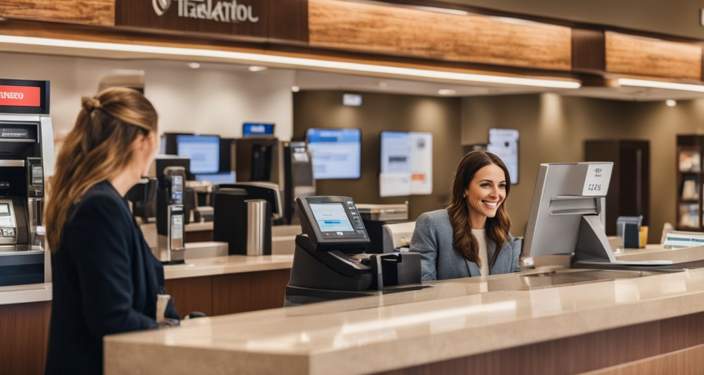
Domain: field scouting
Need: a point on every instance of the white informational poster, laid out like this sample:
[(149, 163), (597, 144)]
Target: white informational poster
[(504, 143), (406, 164), (394, 184), (421, 163)]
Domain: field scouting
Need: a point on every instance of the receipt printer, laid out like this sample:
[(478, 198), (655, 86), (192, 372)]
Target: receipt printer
[(332, 259)]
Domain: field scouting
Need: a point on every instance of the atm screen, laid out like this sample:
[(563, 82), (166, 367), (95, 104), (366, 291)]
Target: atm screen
[(331, 217), (4, 209)]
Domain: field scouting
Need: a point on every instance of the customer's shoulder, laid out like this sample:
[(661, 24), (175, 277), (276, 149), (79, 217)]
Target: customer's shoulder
[(101, 200), (100, 193)]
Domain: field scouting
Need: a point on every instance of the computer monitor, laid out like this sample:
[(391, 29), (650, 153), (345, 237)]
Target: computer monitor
[(169, 144), (203, 150), (560, 200), (217, 178), (336, 153), (252, 129), (567, 214)]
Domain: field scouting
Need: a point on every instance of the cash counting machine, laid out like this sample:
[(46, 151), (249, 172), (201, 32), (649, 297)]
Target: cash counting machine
[(332, 259)]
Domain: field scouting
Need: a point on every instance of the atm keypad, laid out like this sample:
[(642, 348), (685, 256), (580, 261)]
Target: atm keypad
[(8, 232)]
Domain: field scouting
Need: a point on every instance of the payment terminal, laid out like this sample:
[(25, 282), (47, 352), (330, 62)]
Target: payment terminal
[(332, 259)]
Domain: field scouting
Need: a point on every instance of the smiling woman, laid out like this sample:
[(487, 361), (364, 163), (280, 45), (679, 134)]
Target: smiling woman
[(471, 236)]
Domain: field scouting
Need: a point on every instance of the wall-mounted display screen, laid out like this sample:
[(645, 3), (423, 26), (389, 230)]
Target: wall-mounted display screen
[(336, 153), (252, 129), (406, 163), (331, 217), (202, 150)]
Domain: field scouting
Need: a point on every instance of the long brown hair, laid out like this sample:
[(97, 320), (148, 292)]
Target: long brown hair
[(497, 228), (98, 148)]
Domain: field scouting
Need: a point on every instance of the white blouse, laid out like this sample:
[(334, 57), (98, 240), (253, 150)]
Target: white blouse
[(480, 235)]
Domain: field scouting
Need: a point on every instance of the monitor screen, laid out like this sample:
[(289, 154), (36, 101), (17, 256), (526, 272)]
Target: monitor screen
[(4, 209), (336, 153), (202, 150), (331, 217), (217, 178), (252, 129)]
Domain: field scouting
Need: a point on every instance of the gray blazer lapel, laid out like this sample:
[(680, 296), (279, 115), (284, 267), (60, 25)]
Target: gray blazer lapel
[(502, 264), (473, 268)]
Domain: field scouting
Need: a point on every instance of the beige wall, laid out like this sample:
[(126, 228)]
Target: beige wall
[(214, 99), (553, 129)]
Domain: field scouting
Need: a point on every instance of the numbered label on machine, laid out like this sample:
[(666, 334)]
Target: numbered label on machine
[(596, 182)]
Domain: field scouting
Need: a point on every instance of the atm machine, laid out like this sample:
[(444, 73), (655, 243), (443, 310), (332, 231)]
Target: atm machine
[(170, 216), (298, 178), (26, 158), (332, 259)]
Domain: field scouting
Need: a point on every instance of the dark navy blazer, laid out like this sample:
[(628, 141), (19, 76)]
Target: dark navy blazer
[(105, 281), (432, 238)]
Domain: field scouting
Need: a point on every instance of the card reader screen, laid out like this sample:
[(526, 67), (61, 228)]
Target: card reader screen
[(4, 209), (331, 217)]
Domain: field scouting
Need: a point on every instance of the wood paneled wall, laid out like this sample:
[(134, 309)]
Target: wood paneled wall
[(587, 352), (380, 112), (407, 31), (24, 331), (95, 12), (635, 55)]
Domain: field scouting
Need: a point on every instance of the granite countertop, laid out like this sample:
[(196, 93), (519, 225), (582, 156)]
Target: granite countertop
[(227, 265), (29, 293), (409, 328)]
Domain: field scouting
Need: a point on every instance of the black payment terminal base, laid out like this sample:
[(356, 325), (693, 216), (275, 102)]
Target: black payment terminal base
[(332, 259)]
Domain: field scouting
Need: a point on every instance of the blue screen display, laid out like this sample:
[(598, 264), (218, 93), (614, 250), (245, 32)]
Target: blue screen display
[(331, 217), (218, 178), (336, 153), (250, 129), (203, 150)]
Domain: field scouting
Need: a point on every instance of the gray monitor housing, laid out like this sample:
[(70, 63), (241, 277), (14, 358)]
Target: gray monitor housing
[(567, 216)]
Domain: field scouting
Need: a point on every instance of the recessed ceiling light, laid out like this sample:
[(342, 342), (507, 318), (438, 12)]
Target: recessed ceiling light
[(194, 65), (257, 68), (295, 88), (670, 103), (446, 92)]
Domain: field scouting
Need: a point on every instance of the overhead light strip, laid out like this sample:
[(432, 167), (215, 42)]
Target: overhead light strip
[(292, 62), (630, 82)]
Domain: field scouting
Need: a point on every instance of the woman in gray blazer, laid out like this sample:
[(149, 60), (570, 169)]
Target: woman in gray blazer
[(471, 236)]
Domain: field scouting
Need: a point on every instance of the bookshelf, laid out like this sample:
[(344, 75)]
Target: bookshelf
[(690, 175)]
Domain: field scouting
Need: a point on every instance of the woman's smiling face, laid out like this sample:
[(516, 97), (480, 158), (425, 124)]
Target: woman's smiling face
[(486, 191)]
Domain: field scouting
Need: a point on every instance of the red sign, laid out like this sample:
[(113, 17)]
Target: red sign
[(20, 96)]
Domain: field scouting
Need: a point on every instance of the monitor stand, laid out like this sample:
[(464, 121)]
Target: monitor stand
[(593, 247)]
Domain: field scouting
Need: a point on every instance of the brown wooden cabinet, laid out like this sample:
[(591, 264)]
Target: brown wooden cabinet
[(24, 334), (229, 294), (629, 190)]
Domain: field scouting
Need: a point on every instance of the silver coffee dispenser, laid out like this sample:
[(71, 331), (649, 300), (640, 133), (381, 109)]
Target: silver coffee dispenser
[(170, 216), (26, 158)]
